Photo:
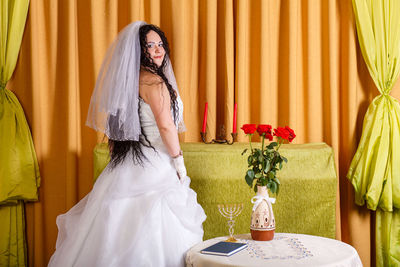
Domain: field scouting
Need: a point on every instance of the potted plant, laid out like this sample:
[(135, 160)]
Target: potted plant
[(263, 165)]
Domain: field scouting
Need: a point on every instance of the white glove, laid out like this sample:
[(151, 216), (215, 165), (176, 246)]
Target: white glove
[(180, 167)]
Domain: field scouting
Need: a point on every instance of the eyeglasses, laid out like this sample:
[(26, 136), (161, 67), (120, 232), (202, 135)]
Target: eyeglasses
[(153, 45)]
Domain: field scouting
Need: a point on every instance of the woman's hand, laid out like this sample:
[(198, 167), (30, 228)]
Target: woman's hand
[(179, 165)]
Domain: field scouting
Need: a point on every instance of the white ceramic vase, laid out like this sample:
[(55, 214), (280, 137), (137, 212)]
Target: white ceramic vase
[(262, 226)]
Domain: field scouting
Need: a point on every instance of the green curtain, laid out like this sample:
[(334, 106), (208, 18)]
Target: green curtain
[(19, 172), (375, 168)]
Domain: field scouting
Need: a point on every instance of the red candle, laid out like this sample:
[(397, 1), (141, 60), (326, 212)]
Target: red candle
[(234, 118), (203, 130)]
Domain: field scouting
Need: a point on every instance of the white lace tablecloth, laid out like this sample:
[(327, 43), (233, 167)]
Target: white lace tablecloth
[(283, 250)]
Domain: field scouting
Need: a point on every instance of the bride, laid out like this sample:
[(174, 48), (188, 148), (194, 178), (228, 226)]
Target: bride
[(141, 210)]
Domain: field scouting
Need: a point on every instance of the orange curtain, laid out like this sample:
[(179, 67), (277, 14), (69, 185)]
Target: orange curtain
[(287, 62)]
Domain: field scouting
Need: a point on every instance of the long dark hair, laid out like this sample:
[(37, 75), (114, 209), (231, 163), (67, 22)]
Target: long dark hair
[(147, 62), (120, 149)]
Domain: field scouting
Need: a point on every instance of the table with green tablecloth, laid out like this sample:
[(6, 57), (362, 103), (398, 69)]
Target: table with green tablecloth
[(307, 198)]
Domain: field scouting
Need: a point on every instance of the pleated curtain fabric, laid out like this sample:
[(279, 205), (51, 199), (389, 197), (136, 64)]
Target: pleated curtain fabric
[(19, 172), (294, 63), (375, 168)]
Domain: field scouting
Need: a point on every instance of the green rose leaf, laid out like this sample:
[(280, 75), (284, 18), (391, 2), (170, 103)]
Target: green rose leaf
[(258, 175), (271, 175), (284, 159), (244, 151), (272, 145), (250, 160), (274, 187), (256, 152), (249, 180), (250, 173), (263, 181), (267, 166)]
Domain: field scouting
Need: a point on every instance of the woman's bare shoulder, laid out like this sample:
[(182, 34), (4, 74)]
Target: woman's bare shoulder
[(150, 86), (148, 78)]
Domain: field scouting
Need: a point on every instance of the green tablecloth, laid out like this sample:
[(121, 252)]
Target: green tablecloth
[(306, 201)]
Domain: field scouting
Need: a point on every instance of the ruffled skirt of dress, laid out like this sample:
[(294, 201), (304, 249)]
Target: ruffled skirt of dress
[(134, 216)]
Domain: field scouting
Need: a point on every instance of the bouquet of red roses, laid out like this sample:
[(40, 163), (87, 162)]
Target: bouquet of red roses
[(264, 163)]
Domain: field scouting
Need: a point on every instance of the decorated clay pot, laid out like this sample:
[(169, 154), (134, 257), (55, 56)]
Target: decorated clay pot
[(262, 226)]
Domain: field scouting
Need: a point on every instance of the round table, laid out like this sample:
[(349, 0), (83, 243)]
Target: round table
[(283, 250)]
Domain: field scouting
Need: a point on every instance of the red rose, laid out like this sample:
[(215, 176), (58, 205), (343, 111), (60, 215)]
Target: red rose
[(265, 129), (284, 133), (249, 128), (291, 133)]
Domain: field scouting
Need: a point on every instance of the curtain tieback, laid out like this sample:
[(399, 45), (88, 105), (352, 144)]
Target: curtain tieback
[(3, 85)]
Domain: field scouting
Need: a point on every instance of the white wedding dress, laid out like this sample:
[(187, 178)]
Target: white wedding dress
[(135, 215)]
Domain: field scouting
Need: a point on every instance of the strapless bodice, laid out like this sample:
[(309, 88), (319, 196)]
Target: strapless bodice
[(148, 122)]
